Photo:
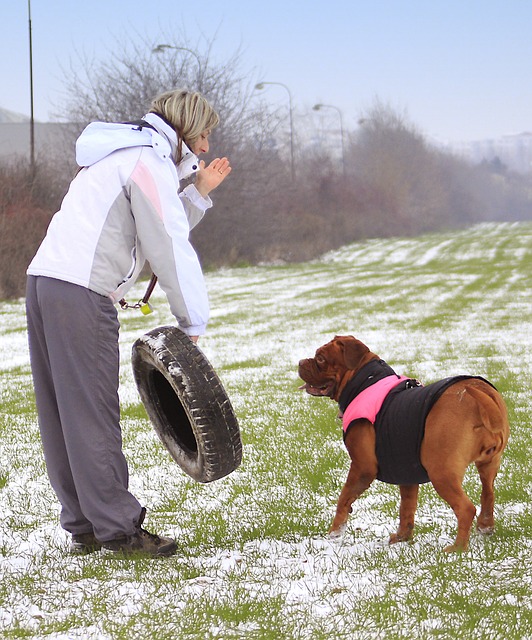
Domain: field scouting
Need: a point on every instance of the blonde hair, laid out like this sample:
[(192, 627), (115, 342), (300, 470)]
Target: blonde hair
[(187, 112)]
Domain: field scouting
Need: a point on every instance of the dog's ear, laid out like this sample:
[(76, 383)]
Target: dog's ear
[(354, 351)]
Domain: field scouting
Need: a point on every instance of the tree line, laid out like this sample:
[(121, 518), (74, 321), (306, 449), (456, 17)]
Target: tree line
[(388, 180)]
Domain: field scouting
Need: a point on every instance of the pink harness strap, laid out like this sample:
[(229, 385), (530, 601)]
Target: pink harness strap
[(367, 404)]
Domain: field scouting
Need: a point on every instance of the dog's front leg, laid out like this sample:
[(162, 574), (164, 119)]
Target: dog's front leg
[(407, 512), (354, 486), (360, 443)]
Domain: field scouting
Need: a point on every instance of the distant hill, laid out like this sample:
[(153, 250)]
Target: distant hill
[(11, 116)]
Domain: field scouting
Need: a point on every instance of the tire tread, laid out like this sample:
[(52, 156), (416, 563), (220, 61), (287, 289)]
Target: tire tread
[(202, 395)]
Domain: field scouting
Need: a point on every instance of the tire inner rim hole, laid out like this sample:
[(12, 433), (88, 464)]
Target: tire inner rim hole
[(174, 418)]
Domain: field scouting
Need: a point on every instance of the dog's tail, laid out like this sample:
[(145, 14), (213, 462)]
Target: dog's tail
[(493, 414)]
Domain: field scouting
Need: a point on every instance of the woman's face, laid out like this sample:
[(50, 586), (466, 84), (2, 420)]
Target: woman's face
[(202, 143)]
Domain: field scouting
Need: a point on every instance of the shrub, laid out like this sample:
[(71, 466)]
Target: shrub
[(28, 200)]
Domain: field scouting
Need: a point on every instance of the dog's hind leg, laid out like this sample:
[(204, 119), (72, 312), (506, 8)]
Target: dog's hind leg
[(487, 472), (450, 489), (494, 418), (407, 512)]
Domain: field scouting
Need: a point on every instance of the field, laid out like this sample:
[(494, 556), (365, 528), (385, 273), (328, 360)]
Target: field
[(254, 560)]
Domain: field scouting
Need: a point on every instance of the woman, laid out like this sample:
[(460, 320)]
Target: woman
[(121, 209)]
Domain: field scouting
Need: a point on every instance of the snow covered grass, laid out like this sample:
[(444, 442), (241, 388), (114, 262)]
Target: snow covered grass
[(254, 560)]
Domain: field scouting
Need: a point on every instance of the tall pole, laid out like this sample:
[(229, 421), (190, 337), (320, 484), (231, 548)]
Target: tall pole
[(161, 48), (292, 160), (317, 107), (32, 118)]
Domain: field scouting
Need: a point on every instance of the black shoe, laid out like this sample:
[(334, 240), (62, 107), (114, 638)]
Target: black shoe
[(141, 543), (83, 543)]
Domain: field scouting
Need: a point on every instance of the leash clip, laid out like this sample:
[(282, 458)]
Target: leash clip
[(143, 304)]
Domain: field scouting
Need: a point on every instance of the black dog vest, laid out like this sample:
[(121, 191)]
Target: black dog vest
[(399, 418)]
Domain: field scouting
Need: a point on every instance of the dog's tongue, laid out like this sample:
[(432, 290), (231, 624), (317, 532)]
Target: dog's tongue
[(313, 391)]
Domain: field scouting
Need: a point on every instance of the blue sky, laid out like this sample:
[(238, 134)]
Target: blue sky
[(460, 69)]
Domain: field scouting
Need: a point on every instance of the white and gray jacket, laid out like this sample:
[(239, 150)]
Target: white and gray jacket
[(123, 208)]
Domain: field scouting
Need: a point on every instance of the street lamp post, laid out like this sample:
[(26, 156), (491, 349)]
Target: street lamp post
[(317, 107), (32, 118), (161, 48), (260, 86)]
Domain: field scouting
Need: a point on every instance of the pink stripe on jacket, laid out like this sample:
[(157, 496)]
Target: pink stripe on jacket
[(367, 404)]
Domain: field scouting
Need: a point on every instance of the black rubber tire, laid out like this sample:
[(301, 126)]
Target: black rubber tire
[(187, 404)]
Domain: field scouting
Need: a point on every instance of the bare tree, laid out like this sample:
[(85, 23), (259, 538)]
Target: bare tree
[(395, 182), (400, 171), (121, 88)]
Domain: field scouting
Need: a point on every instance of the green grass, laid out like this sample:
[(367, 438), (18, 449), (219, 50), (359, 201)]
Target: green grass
[(254, 560)]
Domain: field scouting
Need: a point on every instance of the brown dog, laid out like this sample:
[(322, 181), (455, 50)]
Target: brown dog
[(462, 420)]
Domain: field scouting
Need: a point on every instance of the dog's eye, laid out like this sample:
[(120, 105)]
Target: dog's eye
[(320, 359)]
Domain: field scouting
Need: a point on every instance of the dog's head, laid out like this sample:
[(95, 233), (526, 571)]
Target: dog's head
[(333, 365)]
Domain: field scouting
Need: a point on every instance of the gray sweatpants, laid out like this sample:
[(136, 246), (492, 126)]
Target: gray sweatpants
[(73, 339)]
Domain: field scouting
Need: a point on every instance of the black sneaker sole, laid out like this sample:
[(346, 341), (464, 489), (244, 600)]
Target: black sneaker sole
[(131, 554), (80, 549)]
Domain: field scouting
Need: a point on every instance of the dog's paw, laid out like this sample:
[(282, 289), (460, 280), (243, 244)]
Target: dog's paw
[(486, 531), (396, 538), (336, 535), (455, 548), (403, 534)]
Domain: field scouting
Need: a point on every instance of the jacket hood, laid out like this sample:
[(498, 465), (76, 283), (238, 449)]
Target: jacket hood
[(99, 139)]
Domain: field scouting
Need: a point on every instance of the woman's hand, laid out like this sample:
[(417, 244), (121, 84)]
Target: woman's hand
[(211, 176)]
